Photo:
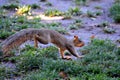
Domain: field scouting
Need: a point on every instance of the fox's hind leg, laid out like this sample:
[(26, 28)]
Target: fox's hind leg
[(35, 42), (42, 40)]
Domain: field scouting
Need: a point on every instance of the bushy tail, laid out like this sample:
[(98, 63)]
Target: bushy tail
[(17, 39)]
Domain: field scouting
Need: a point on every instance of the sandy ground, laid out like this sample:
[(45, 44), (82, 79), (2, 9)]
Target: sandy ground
[(88, 23), (89, 28)]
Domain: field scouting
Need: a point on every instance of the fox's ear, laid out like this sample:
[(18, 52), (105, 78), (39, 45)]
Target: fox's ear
[(75, 37)]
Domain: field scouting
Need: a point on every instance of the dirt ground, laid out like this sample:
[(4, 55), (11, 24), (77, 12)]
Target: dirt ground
[(88, 23)]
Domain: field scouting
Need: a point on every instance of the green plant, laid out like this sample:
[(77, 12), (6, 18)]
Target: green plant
[(1, 53), (93, 14), (48, 4), (98, 7), (44, 75), (53, 12), (33, 58), (35, 6), (100, 46), (14, 1), (43, 0), (115, 12), (67, 15), (97, 13), (78, 21), (5, 22), (73, 27), (49, 52), (55, 26), (75, 11), (96, 77), (2, 13), (109, 30), (103, 49), (9, 25), (76, 24), (117, 1), (36, 19), (90, 14), (61, 30), (104, 54), (23, 10), (78, 2), (10, 6), (103, 24), (16, 23), (6, 73), (2, 73), (30, 61), (20, 19), (101, 63), (4, 34)]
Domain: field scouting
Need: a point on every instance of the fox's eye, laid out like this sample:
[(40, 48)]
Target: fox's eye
[(79, 40)]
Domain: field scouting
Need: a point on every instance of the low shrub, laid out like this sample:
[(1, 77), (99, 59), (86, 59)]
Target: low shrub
[(7, 73), (48, 4), (10, 25), (93, 14), (53, 12), (115, 12), (101, 62), (44, 75), (34, 59), (81, 2), (23, 10), (103, 24), (10, 6), (4, 34), (34, 6), (117, 1), (75, 11), (109, 30), (104, 55), (73, 27)]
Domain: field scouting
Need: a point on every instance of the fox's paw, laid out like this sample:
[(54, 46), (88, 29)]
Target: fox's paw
[(67, 58)]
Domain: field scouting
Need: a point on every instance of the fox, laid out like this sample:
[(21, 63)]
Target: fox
[(43, 36)]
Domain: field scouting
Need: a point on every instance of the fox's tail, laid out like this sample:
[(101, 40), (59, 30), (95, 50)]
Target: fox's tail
[(17, 39)]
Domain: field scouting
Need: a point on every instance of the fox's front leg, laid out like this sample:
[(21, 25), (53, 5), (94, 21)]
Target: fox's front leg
[(62, 54), (61, 51), (71, 49)]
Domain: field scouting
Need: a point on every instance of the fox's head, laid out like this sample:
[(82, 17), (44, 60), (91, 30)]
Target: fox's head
[(78, 42)]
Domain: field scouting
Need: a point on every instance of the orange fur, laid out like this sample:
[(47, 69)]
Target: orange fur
[(43, 36)]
